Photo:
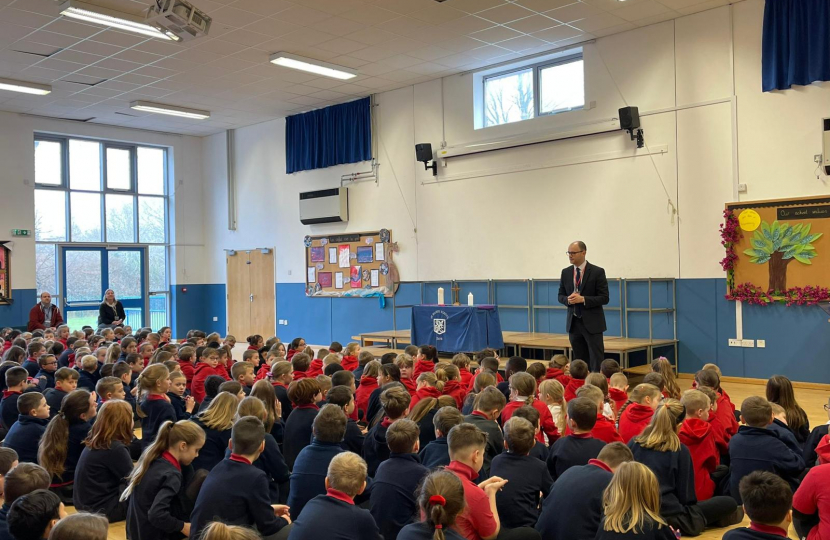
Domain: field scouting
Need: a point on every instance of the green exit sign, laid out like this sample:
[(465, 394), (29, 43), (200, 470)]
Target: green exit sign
[(20, 232)]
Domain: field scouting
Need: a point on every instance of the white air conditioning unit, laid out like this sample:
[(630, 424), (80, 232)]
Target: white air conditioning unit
[(179, 18), (324, 206)]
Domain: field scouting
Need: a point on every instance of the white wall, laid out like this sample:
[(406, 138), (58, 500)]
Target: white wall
[(17, 180)]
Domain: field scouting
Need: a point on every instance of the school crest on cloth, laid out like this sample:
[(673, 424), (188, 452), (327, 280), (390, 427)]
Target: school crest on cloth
[(439, 326)]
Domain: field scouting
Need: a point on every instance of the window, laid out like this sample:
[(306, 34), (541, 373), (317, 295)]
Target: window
[(528, 91), (94, 192)]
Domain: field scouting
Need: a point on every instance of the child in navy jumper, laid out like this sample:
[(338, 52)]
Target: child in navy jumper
[(34, 351), (8, 461), (32, 516), (488, 406), (631, 505), (768, 500), (579, 447), (343, 397), (66, 381), (212, 384), (270, 461), (22, 479), (756, 448), (580, 490), (235, 492), (518, 501), (335, 513), (539, 450), (105, 463), (280, 377), (156, 483), (440, 501), (393, 502), (16, 383), (109, 388), (243, 373), (659, 448), (217, 422), (45, 376), (24, 436), (304, 395), (437, 453), (154, 406), (88, 375), (395, 402), (183, 404)]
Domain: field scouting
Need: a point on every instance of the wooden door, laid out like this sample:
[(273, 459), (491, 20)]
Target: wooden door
[(239, 295), (263, 303)]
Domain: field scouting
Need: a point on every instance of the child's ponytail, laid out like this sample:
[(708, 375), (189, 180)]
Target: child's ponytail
[(147, 382), (432, 379), (441, 498), (661, 432), (54, 444)]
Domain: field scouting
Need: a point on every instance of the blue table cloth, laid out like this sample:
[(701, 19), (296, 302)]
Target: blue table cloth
[(457, 328)]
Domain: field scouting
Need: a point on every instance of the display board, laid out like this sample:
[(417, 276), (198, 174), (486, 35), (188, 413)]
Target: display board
[(780, 246), (356, 265)]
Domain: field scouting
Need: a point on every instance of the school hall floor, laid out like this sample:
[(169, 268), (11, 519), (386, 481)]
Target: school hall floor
[(811, 400)]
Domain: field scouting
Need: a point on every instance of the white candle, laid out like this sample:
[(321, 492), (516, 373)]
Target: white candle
[(470, 299), (440, 296)]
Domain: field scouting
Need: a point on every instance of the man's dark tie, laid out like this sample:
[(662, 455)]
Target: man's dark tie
[(578, 307)]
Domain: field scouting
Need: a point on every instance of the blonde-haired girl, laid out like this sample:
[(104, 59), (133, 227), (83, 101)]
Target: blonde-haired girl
[(631, 506), (636, 413), (154, 407), (217, 422), (552, 393), (663, 367)]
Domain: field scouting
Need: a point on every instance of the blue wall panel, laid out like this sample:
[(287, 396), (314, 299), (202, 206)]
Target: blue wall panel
[(431, 292), (196, 308), (480, 290), (513, 293), (17, 314), (351, 316), (513, 320), (309, 318)]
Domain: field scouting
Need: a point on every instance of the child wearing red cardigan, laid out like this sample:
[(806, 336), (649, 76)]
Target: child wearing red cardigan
[(300, 362), (579, 372), (427, 355), (697, 434), (368, 384), (428, 387), (618, 390), (349, 360), (522, 391), (638, 410), (462, 362)]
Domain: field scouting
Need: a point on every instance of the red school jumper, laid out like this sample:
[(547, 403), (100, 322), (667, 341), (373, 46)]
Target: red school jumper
[(559, 375), (545, 419), (349, 363), (573, 386), (699, 438), (634, 420)]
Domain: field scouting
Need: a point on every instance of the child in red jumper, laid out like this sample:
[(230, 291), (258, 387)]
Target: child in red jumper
[(208, 365), (405, 364), (427, 355), (618, 391), (301, 362), (462, 362), (558, 369), (349, 361), (368, 384), (552, 393), (579, 372), (721, 439), (811, 506), (315, 367), (452, 383), (186, 356), (522, 391), (604, 429), (636, 414), (255, 342), (428, 387), (489, 364), (696, 433), (725, 410)]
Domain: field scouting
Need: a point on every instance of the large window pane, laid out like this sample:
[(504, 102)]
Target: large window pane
[(85, 209), (158, 311), (120, 218), (151, 171), (45, 268), (158, 268), (562, 87), (151, 220), (50, 215), (508, 98), (85, 165), (125, 273), (118, 169), (83, 276), (48, 163), (76, 320)]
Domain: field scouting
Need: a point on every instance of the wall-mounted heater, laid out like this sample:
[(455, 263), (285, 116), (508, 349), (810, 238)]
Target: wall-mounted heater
[(324, 206)]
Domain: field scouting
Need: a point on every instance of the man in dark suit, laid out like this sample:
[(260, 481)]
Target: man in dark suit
[(583, 287)]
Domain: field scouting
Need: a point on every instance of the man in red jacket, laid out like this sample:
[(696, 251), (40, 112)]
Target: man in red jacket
[(699, 437), (45, 314)]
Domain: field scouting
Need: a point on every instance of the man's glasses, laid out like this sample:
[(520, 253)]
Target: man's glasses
[(574, 252)]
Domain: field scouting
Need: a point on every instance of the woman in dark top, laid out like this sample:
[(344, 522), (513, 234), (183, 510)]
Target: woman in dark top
[(441, 499), (105, 463), (110, 312)]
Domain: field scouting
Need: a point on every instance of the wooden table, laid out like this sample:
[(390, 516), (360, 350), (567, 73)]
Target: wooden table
[(390, 337)]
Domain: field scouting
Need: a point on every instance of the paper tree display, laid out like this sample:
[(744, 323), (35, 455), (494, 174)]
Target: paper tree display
[(778, 245)]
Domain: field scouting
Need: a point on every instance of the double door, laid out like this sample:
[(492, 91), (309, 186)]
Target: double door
[(87, 272), (251, 293)]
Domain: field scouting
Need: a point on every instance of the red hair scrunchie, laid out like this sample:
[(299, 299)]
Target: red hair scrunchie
[(439, 526), (438, 499)]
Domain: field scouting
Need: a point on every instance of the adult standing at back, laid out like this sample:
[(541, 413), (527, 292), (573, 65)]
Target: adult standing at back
[(110, 312), (583, 287), (45, 314)]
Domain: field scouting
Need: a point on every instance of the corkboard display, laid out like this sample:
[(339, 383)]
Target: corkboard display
[(353, 265), (784, 243)]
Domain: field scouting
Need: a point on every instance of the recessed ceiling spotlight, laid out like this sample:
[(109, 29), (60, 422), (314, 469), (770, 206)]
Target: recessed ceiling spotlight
[(311, 65)]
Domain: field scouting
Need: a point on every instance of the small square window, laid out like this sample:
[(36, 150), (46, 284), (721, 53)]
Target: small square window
[(562, 87), (508, 98), (49, 163), (119, 169)]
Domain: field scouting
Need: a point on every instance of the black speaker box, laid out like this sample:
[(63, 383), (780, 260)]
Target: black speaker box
[(629, 118), (424, 152)]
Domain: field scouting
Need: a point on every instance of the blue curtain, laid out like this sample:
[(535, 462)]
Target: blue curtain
[(796, 44), (330, 136)]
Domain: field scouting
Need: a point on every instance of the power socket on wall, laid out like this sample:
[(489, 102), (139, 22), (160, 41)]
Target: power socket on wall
[(734, 342)]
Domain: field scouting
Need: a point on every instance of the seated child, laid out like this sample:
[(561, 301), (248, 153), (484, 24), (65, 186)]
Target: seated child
[(216, 423), (335, 512), (618, 391), (109, 388), (24, 436), (48, 364), (393, 502), (514, 364), (80, 526), (637, 412), (280, 379), (235, 492), (725, 409), (440, 501), (309, 472), (8, 461), (558, 369), (523, 391), (479, 518), (579, 446), (487, 365), (16, 383), (156, 482), (552, 393), (779, 425), (756, 448), (154, 406), (304, 394), (88, 376), (408, 379), (580, 490), (538, 370), (270, 460), (488, 406), (770, 506), (436, 453), (696, 433), (780, 391), (212, 384), (301, 366), (34, 351), (721, 441), (252, 357), (631, 506), (362, 359), (208, 365), (343, 397), (527, 477), (66, 380), (664, 367), (395, 402), (462, 362), (32, 516), (484, 378), (604, 429), (818, 433), (315, 366), (185, 357), (243, 373), (452, 383), (105, 463), (608, 368), (811, 506), (19, 481), (349, 360), (325, 385), (425, 361), (427, 386), (388, 374), (539, 450), (182, 403), (578, 372)]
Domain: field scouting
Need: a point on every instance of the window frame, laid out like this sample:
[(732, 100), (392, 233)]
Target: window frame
[(571, 56)]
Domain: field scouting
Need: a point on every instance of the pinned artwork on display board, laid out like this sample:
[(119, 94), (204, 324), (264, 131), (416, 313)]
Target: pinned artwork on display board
[(365, 275), (312, 272), (364, 254), (338, 280), (355, 276), (375, 280), (384, 235), (332, 255), (318, 287), (369, 241), (318, 254), (307, 241), (319, 266), (324, 279), (324, 241), (343, 256), (379, 252), (384, 269)]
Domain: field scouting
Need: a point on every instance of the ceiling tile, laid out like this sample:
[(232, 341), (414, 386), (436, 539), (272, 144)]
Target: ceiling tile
[(610, 5), (489, 52), (400, 61), (71, 55), (467, 25), (403, 7), (271, 27), (375, 69), (679, 4), (234, 17), (373, 54), (329, 95), (48, 38), (348, 61), (572, 12), (154, 71), (506, 13), (120, 39), (428, 68), (99, 72), (371, 36), (338, 26), (26, 19), (558, 33), (120, 65), (333, 7), (220, 47), (263, 7), (431, 52), (474, 6), (342, 45), (456, 60), (303, 16), (663, 17), (324, 83), (437, 12), (94, 47), (404, 26), (461, 44), (371, 15), (246, 37), (74, 29), (598, 22), (711, 4), (139, 57), (495, 34), (521, 43), (37, 49), (532, 24), (641, 10), (53, 63), (545, 5)]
